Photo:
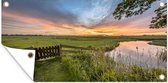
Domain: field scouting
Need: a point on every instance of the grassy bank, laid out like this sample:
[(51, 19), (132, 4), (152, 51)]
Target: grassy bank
[(87, 65), (159, 42), (93, 66), (97, 67)]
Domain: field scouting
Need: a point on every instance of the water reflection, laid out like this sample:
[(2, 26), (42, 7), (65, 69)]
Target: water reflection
[(139, 53)]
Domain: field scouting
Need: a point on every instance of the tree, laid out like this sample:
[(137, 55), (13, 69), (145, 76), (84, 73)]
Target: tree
[(160, 21), (128, 8)]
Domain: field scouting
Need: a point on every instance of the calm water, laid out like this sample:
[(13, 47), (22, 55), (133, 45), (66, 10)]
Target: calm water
[(139, 53)]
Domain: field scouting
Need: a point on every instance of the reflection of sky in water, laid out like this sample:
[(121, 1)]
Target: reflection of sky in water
[(139, 53)]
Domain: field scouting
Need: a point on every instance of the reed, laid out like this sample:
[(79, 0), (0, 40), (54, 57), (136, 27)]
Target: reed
[(94, 66)]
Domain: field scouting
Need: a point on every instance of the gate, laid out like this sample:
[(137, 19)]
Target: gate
[(46, 52)]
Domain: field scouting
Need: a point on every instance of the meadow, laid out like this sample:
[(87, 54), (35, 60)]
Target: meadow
[(86, 65), (84, 41)]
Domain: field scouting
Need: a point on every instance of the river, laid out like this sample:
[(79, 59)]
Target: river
[(139, 53)]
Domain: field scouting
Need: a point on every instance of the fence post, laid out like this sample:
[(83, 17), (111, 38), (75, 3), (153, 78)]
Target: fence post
[(43, 52), (36, 54), (50, 51), (56, 51)]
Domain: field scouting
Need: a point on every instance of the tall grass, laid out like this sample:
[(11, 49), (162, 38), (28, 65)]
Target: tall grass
[(162, 55), (94, 66), (89, 66)]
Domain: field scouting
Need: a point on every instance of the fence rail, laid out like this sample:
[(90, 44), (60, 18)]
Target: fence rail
[(74, 47), (70, 51)]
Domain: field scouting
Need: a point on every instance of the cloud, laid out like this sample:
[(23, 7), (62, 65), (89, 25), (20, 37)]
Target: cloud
[(70, 17), (97, 12), (17, 24), (43, 9)]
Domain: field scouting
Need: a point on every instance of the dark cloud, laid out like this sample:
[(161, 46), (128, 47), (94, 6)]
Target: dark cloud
[(89, 13), (44, 9)]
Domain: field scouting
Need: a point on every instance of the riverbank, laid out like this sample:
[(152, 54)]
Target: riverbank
[(88, 65), (159, 42), (93, 66)]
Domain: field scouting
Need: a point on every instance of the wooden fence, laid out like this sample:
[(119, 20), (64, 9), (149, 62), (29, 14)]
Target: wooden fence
[(53, 51), (46, 52)]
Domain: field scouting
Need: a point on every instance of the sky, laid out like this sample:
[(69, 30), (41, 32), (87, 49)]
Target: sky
[(73, 17)]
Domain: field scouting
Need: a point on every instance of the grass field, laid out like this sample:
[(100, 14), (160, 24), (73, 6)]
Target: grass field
[(85, 66), (94, 41)]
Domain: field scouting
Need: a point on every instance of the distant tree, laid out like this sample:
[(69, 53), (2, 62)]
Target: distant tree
[(128, 8)]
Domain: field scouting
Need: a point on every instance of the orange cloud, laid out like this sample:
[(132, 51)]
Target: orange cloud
[(46, 27), (126, 30)]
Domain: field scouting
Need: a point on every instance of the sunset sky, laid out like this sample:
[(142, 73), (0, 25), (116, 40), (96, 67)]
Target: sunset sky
[(73, 17)]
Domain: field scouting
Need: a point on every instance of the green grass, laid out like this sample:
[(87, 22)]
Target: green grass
[(51, 70), (39, 41), (159, 42), (85, 66), (94, 41)]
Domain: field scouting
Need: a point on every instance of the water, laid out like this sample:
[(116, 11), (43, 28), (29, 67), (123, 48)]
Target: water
[(138, 53)]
